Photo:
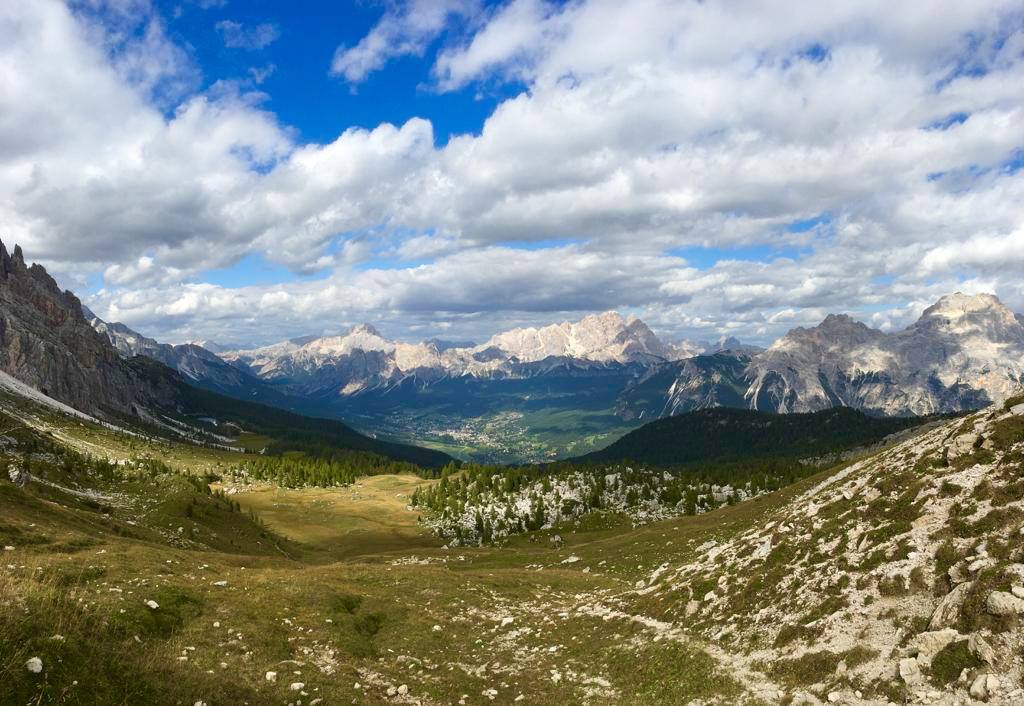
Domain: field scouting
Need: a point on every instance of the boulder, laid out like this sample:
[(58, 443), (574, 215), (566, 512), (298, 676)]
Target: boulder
[(948, 611), (1003, 603), (19, 476), (984, 686), (763, 549), (929, 644), (910, 672), (980, 648), (963, 444)]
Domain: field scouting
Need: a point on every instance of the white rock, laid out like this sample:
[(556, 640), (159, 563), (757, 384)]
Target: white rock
[(910, 672), (984, 686), (981, 649), (220, 583), (403, 690), (297, 686), (1018, 591), (505, 622), (34, 665), (928, 644), (1002, 603), (948, 611), (271, 676), (153, 605), (763, 549)]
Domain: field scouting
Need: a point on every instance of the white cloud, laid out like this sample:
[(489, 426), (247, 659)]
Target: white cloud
[(636, 145), (515, 32), (405, 29), (238, 36)]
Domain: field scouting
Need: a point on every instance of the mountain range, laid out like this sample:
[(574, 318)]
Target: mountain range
[(528, 393), (964, 352)]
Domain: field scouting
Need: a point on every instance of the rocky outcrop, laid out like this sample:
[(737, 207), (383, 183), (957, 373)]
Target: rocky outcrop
[(46, 342)]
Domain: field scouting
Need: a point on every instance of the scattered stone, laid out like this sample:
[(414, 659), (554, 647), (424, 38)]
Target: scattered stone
[(153, 605), (403, 690), (297, 686), (1018, 591), (220, 583), (34, 665), (271, 676)]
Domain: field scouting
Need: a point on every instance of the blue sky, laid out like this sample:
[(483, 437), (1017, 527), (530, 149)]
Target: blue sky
[(251, 171), (300, 90)]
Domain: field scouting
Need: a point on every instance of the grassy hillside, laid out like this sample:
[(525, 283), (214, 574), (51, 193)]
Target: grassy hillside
[(820, 592), (723, 435)]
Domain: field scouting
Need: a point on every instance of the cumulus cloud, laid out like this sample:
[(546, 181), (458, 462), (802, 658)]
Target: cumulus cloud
[(895, 130)]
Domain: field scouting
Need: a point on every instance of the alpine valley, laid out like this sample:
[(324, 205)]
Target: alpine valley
[(568, 389), (169, 540)]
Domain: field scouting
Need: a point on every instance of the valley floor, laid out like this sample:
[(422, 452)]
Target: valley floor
[(131, 588)]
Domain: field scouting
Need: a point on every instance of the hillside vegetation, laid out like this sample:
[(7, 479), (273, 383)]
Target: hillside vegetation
[(128, 578), (723, 435), (684, 465)]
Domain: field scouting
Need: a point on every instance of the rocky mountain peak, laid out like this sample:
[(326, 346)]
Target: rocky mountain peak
[(608, 336), (47, 343), (959, 304), (365, 328), (966, 314)]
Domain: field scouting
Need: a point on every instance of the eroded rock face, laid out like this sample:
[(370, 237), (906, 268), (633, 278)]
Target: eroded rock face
[(46, 342)]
